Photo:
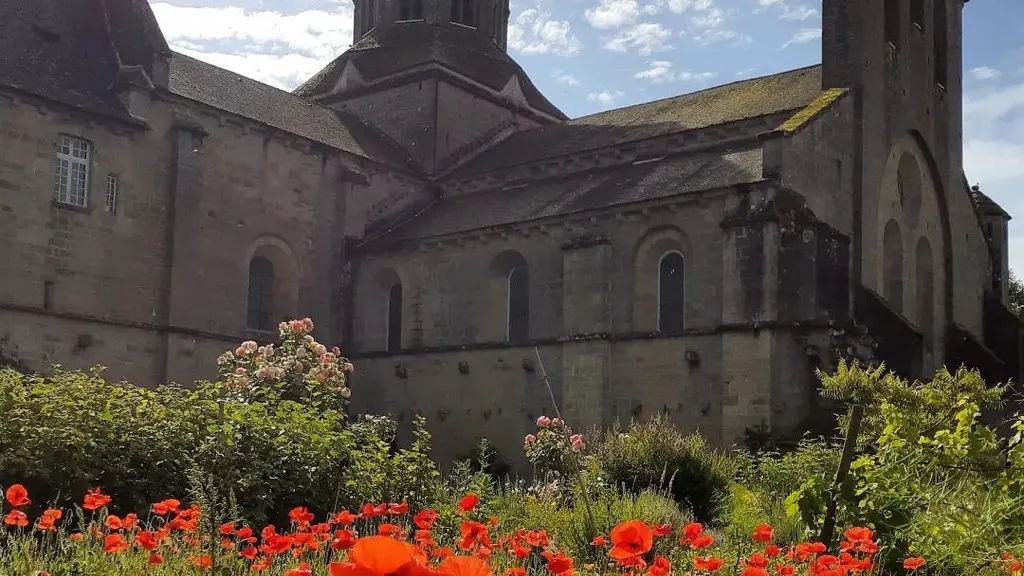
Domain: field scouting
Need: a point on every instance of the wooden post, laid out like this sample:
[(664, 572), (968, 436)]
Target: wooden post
[(828, 527)]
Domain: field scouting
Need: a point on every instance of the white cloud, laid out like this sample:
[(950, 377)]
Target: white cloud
[(803, 35), (276, 48), (605, 97), (993, 122), (657, 71), (645, 38), (984, 73), (609, 14), (535, 32), (662, 71), (788, 10), (707, 23), (565, 78)]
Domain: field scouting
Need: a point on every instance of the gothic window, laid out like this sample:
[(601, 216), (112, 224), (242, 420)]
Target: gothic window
[(369, 16), (917, 13), (261, 294), (496, 24), (462, 12), (395, 318), (71, 177), (411, 10), (519, 305), (111, 197), (892, 22), (670, 293), (925, 290), (941, 44), (892, 265)]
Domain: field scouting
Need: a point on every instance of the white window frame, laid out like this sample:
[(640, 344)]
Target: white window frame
[(73, 158), (110, 200), (508, 297), (657, 275)]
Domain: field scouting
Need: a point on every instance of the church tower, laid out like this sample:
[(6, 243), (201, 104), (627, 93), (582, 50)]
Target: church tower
[(435, 77), (902, 61)]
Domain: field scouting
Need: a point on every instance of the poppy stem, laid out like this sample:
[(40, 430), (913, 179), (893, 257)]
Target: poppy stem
[(577, 468)]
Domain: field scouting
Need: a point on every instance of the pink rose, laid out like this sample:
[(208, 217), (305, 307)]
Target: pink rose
[(530, 439), (556, 422), (543, 422)]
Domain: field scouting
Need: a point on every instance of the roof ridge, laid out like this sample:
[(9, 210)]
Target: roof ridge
[(701, 91)]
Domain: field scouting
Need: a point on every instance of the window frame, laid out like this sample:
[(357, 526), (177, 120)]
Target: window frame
[(64, 165), (110, 198), (459, 10), (393, 338), (682, 298), (410, 11), (510, 336), (265, 305)]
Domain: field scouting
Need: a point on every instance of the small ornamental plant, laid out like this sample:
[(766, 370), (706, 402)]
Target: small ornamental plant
[(553, 447), (299, 369)]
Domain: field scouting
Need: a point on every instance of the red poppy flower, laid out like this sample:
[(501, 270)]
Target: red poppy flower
[(155, 559), (598, 541), (660, 567), (343, 540), (248, 553), (376, 556), (202, 562), (464, 566), (147, 540), (661, 529), (16, 518), (165, 507), (692, 530), (763, 533), (113, 523), (95, 499), (702, 541), (557, 563), (302, 570), (630, 539), (785, 570), (114, 543), (772, 551), (344, 518), (468, 502), (424, 519), (17, 496), (913, 563), (398, 509), (707, 563), (301, 516), (48, 519)]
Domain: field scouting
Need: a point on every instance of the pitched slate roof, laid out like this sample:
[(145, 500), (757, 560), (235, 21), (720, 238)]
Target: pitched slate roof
[(225, 90), (563, 196), (790, 90), (401, 47), (63, 50)]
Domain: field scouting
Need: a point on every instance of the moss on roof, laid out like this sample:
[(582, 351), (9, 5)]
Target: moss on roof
[(798, 120), (778, 93)]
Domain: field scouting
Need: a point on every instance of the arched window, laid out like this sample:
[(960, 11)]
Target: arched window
[(519, 305), (261, 294), (411, 10), (941, 36), (395, 318), (462, 12), (670, 293), (917, 13), (495, 24), (925, 290), (892, 264)]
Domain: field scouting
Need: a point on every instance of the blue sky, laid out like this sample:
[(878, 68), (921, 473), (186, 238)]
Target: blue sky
[(590, 55)]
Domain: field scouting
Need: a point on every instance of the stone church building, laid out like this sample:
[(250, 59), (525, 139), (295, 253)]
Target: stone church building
[(440, 219)]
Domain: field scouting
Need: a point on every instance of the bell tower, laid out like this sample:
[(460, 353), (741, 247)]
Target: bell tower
[(488, 17)]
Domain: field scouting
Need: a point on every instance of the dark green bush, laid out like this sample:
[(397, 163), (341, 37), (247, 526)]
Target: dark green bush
[(656, 456), (67, 433)]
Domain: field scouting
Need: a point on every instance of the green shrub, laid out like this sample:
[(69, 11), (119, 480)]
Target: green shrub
[(271, 436), (656, 456)]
